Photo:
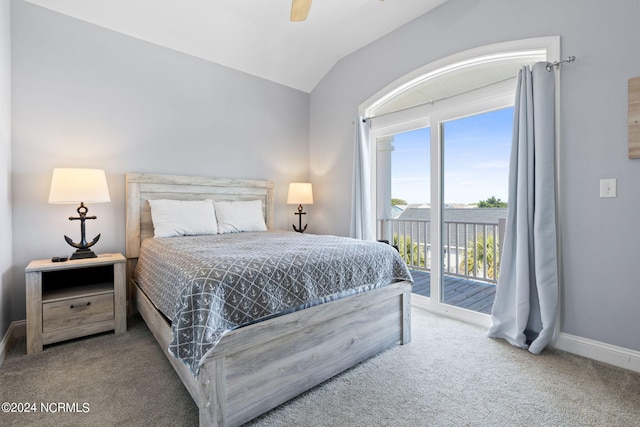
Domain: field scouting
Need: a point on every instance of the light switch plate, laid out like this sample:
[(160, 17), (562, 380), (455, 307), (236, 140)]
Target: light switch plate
[(608, 187)]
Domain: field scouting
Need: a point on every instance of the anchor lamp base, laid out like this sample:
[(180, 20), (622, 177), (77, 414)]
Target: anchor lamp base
[(83, 253)]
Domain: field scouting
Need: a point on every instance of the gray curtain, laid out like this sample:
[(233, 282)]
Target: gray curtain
[(524, 311), (361, 227)]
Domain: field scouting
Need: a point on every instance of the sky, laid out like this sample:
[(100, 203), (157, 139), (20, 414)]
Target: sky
[(476, 160)]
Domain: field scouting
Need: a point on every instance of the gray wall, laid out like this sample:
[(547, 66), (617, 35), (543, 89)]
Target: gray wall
[(600, 284), (84, 96), (6, 282)]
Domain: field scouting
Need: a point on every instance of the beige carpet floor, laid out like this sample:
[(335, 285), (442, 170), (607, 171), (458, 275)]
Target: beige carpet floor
[(451, 374)]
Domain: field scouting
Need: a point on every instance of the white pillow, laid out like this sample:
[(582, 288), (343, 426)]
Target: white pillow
[(239, 216), (183, 217)]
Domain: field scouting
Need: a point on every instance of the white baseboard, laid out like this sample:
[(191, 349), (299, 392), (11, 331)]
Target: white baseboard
[(606, 353), (16, 330)]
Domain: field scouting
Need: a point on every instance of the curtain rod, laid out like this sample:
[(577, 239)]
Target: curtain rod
[(550, 66), (556, 64)]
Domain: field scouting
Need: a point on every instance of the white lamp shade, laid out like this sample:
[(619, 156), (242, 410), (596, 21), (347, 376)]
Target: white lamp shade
[(78, 185), (300, 193)]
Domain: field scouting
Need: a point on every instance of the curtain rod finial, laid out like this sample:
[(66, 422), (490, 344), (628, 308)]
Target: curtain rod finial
[(557, 64)]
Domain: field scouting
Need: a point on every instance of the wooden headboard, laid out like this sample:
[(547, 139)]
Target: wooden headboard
[(143, 187)]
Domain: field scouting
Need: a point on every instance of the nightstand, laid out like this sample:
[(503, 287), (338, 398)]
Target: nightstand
[(74, 298)]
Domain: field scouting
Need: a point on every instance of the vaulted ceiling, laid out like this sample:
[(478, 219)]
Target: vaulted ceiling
[(253, 36)]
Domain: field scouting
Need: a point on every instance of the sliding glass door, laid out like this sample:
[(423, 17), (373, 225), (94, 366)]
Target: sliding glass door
[(441, 192)]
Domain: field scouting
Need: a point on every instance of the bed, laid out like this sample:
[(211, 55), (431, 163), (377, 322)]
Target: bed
[(256, 367)]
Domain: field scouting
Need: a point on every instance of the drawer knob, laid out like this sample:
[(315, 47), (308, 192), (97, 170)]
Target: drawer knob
[(74, 306)]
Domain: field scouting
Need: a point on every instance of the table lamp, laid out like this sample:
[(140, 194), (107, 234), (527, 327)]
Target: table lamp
[(70, 186), (299, 193)]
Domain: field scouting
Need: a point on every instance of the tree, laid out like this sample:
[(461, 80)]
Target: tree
[(478, 253), (395, 202), (492, 202), (412, 253)]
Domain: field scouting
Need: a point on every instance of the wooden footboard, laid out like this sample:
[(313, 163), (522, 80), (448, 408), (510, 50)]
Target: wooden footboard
[(258, 367)]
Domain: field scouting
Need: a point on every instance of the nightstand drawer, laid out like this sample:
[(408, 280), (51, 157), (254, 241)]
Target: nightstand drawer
[(73, 312)]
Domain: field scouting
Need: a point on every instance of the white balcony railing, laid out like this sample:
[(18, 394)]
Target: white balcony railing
[(470, 249)]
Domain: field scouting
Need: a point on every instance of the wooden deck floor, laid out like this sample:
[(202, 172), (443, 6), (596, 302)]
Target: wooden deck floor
[(464, 293)]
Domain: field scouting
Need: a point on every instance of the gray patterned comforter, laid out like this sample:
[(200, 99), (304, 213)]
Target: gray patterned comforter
[(209, 285)]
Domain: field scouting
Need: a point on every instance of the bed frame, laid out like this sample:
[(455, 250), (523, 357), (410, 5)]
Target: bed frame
[(258, 367)]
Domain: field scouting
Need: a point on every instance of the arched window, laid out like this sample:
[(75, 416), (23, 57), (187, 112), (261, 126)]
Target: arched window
[(442, 138)]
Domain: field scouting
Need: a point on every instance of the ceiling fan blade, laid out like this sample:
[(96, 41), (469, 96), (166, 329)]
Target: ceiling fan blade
[(300, 10)]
